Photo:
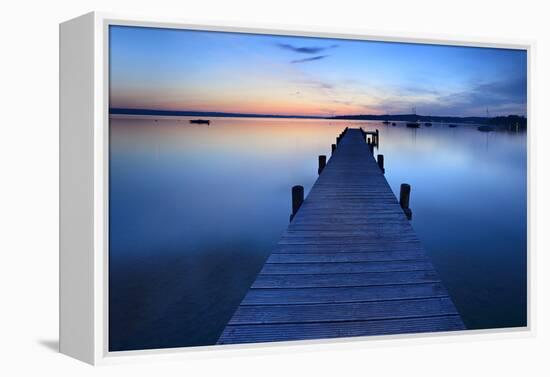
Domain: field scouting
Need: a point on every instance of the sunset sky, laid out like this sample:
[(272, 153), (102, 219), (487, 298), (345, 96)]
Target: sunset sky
[(170, 69)]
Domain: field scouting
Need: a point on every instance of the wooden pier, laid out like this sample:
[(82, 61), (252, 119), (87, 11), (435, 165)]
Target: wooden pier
[(349, 263)]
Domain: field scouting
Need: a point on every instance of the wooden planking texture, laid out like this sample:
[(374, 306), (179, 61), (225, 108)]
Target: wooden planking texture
[(349, 264)]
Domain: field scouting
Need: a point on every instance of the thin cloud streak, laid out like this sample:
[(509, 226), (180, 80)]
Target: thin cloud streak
[(320, 57), (304, 49)]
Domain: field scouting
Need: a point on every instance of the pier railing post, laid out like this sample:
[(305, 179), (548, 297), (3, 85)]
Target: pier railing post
[(332, 148), (297, 199), (380, 160), (322, 163), (377, 137), (371, 145), (404, 197)]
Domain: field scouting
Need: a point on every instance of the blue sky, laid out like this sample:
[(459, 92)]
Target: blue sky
[(248, 73)]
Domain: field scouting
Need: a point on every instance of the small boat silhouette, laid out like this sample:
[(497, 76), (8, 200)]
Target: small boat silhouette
[(386, 122), (413, 124), (199, 121), (486, 127)]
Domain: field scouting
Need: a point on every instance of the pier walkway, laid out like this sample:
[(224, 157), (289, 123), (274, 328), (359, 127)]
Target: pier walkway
[(349, 264)]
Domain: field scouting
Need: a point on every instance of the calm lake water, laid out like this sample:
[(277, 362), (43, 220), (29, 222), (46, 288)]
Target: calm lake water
[(195, 210)]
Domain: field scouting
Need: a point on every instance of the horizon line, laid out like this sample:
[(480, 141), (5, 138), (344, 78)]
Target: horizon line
[(146, 111)]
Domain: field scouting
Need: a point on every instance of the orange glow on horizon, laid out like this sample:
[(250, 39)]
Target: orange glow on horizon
[(267, 107)]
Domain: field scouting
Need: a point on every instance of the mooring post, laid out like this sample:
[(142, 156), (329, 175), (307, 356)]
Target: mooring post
[(337, 139), (380, 160), (333, 148), (404, 197), (297, 199), (377, 137), (322, 163), (371, 145)]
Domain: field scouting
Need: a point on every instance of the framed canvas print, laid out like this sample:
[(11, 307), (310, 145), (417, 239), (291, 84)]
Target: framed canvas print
[(224, 187)]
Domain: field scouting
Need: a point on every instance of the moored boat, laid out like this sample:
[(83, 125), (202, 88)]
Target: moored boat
[(414, 123), (199, 121), (486, 127)]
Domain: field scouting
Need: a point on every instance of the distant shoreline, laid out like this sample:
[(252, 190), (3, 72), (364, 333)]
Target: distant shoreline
[(499, 120), (119, 111)]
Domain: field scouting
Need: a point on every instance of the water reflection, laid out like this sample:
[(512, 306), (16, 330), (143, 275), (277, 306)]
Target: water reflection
[(195, 210)]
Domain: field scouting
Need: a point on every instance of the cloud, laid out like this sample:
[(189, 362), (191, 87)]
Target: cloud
[(502, 97), (511, 89), (309, 59), (418, 90), (499, 96), (314, 83), (305, 49)]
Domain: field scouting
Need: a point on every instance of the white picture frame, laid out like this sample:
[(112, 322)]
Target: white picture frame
[(84, 188)]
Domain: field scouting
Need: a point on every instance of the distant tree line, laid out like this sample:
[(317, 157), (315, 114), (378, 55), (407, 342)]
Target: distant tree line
[(150, 112), (510, 122)]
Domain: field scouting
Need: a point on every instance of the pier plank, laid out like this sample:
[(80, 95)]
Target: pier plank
[(326, 330), (345, 267), (343, 294), (341, 257), (305, 313), (344, 280)]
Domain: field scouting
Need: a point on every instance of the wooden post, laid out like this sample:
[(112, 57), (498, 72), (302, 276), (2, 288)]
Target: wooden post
[(371, 146), (380, 159), (377, 137), (337, 139), (297, 199), (322, 163), (333, 148), (404, 197)]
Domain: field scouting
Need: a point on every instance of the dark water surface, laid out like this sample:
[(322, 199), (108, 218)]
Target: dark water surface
[(195, 210)]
